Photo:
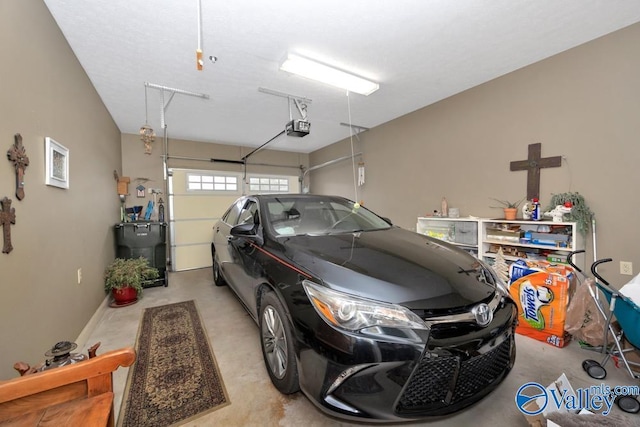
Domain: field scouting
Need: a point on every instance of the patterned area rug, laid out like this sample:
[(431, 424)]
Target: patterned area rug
[(175, 377)]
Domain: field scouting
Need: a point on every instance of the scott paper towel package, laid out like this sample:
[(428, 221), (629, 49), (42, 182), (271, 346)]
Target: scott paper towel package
[(542, 291)]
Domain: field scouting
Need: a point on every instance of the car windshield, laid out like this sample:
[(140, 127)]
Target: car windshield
[(298, 215)]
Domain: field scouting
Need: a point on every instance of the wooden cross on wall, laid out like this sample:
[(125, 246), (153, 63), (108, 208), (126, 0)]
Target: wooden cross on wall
[(18, 156), (532, 165), (7, 217)]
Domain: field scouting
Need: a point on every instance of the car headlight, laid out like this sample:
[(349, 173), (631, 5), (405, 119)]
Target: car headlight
[(354, 313)]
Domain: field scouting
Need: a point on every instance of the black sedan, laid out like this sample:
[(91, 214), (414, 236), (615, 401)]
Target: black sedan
[(369, 320)]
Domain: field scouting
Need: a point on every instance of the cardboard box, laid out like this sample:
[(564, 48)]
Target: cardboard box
[(540, 420), (123, 185), (557, 258), (559, 341)]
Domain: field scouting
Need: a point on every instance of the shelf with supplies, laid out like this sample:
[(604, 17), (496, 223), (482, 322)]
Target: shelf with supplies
[(547, 240), (483, 237), (463, 232)]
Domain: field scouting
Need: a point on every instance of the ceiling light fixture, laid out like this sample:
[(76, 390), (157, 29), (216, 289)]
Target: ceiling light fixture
[(304, 67)]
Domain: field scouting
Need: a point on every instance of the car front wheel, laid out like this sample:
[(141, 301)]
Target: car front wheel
[(277, 345), (218, 280)]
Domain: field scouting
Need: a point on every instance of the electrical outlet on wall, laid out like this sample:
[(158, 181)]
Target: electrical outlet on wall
[(79, 276), (626, 268)]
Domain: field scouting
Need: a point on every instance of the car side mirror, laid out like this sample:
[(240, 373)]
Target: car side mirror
[(244, 230), (248, 231)]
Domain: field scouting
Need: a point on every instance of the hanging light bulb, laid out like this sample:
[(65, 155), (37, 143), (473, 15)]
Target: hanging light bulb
[(147, 135)]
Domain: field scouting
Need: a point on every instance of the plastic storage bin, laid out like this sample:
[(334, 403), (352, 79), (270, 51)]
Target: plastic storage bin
[(144, 239), (466, 233)]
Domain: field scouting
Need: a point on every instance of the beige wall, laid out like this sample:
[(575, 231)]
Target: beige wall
[(583, 104), (136, 164), (45, 92)]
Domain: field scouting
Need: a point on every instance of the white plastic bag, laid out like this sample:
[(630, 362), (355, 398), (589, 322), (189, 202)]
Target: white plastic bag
[(632, 290)]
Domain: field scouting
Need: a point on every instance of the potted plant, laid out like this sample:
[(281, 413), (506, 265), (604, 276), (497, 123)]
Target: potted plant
[(580, 212), (510, 208), (125, 276)]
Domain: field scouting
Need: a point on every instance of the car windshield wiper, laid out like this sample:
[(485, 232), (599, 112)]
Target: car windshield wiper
[(330, 232), (325, 232)]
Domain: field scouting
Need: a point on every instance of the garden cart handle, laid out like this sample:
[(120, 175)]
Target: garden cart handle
[(594, 269), (605, 285), (569, 259), (612, 301)]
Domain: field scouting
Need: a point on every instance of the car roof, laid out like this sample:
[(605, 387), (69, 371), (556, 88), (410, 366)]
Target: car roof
[(272, 196)]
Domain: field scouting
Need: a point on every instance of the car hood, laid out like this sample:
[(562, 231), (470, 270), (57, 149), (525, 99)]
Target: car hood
[(395, 266)]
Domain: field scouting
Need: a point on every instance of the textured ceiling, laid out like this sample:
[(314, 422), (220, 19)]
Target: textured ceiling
[(420, 51)]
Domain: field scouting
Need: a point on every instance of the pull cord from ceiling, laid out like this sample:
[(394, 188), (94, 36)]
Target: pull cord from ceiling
[(353, 155), (199, 61), (147, 135)]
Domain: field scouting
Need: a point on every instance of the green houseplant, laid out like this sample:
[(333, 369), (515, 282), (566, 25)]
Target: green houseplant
[(124, 278), (580, 212), (510, 208)]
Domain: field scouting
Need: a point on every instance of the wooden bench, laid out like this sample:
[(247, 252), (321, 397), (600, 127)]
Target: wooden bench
[(80, 394)]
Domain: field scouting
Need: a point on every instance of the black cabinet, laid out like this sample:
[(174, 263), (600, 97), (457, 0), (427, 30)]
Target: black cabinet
[(144, 239)]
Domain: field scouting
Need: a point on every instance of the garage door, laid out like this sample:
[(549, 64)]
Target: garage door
[(199, 198)]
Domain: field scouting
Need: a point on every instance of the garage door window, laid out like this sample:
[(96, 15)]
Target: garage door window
[(268, 185), (203, 182)]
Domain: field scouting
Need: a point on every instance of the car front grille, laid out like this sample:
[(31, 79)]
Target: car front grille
[(445, 379)]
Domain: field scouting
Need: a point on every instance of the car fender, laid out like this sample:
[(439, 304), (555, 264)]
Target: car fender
[(269, 287)]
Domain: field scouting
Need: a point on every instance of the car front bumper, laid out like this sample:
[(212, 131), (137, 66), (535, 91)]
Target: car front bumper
[(447, 369)]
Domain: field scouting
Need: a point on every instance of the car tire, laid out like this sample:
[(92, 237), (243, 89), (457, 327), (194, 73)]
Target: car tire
[(218, 280), (277, 343)]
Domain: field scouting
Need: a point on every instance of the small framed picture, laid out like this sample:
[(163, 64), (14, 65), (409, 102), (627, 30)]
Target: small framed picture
[(56, 164)]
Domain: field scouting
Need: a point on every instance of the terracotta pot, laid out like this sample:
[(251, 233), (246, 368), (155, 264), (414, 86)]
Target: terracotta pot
[(510, 213), (124, 296)]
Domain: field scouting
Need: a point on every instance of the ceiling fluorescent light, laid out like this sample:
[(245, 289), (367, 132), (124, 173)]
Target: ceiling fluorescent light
[(316, 71)]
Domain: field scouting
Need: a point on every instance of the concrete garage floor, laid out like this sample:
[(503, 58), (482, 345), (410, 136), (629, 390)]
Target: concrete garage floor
[(255, 402)]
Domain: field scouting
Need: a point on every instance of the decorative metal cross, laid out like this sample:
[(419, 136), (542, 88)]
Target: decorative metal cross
[(7, 217), (18, 155), (532, 165)]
